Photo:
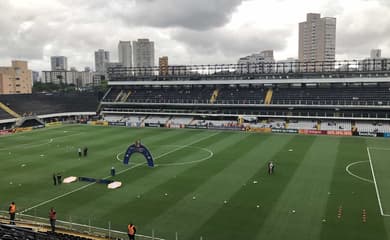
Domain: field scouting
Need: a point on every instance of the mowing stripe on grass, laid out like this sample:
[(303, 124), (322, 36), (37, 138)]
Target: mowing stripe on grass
[(120, 172), (248, 156), (303, 201), (352, 196), (167, 180), (250, 219)]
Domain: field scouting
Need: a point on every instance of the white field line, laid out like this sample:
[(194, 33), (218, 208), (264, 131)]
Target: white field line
[(354, 175), (68, 193), (27, 145), (120, 172), (211, 154), (376, 185), (378, 148), (31, 145), (31, 132), (174, 150)]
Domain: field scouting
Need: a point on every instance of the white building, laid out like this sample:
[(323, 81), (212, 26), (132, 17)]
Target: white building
[(143, 53), (375, 63), (289, 65), (59, 63), (125, 53), (101, 59), (79, 79), (257, 62)]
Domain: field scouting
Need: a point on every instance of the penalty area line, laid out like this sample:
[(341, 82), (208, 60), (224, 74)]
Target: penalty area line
[(120, 172), (354, 175), (66, 194)]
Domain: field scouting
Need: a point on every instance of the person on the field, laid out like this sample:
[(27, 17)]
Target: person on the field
[(54, 179), (59, 178), (85, 150), (270, 168), (53, 217), (12, 212), (131, 231), (79, 151)]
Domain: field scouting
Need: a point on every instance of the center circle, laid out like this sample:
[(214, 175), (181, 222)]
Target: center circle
[(138, 158)]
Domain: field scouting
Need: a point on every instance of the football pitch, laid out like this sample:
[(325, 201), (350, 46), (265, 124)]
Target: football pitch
[(209, 184)]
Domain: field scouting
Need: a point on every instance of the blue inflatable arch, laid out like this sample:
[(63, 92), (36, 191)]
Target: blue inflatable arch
[(138, 148)]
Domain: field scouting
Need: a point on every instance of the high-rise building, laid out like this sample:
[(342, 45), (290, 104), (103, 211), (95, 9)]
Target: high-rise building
[(143, 53), (125, 53), (163, 65), (59, 63), (101, 59), (317, 39), (16, 79)]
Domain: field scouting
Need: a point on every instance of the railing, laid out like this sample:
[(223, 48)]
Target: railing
[(251, 70), (43, 223), (256, 102)]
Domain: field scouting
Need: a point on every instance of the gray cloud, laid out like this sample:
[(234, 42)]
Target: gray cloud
[(187, 31), (200, 14), (358, 34), (231, 44)]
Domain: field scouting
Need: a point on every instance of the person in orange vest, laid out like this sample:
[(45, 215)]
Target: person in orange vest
[(131, 231), (53, 217), (12, 211)]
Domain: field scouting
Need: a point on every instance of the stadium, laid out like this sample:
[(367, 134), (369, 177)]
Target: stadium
[(212, 131)]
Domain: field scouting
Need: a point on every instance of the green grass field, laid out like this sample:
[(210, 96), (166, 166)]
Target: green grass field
[(212, 167)]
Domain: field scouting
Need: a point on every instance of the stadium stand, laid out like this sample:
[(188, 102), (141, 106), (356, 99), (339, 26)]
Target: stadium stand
[(376, 127), (156, 119), (4, 114), (51, 103), (302, 124), (355, 95), (177, 121), (336, 125), (8, 232)]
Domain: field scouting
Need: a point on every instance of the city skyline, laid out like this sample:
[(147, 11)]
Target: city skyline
[(194, 32)]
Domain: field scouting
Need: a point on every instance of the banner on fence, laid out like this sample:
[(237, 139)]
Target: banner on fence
[(339, 133), (282, 130), (122, 124), (52, 124), (367, 134)]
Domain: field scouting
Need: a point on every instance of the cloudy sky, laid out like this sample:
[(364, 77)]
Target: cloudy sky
[(187, 31)]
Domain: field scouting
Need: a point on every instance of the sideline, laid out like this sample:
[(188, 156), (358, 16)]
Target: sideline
[(376, 185)]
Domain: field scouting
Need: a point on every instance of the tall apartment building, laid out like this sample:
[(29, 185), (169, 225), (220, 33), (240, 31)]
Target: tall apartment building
[(101, 59), (163, 65), (143, 53), (59, 63), (16, 79), (125, 53), (317, 39)]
